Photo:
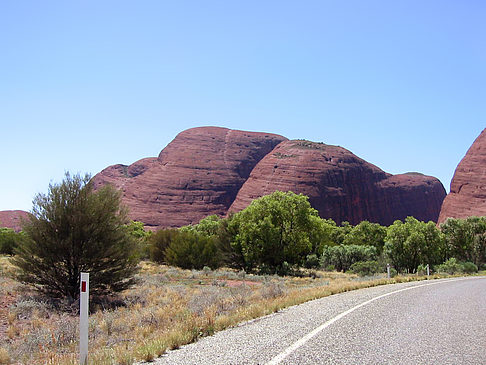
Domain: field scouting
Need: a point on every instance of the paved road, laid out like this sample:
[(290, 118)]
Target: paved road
[(435, 322)]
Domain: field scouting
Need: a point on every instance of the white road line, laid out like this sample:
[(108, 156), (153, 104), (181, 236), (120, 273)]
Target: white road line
[(277, 359)]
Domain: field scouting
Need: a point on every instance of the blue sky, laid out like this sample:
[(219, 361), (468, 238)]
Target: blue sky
[(87, 84)]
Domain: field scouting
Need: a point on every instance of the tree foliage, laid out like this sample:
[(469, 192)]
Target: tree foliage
[(192, 250), (141, 236), (466, 239), (366, 268), (342, 257), (366, 233), (159, 242), (274, 230), (281, 231), (9, 240), (75, 229), (411, 243)]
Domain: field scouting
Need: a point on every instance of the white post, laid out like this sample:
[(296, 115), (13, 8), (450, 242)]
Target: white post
[(83, 318), (428, 270), (388, 271)]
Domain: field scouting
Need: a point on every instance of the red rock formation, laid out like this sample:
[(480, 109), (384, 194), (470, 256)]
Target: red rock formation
[(198, 174), (341, 185), (13, 219), (207, 170), (467, 196)]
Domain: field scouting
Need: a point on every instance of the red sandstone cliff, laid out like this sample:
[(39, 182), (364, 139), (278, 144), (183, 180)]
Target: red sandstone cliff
[(341, 185), (207, 170), (198, 174), (467, 196), (13, 219)]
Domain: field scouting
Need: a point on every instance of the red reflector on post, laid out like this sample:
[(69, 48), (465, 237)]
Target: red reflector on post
[(83, 286)]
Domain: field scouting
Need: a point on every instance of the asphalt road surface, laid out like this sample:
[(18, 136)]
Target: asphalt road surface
[(433, 322)]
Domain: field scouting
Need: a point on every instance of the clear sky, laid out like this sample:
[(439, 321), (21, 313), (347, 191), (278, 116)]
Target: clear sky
[(87, 84)]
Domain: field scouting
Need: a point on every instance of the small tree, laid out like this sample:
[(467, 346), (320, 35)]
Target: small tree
[(366, 233), (74, 229), (466, 238), (275, 229), (411, 243)]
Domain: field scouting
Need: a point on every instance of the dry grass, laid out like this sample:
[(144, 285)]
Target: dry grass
[(169, 307)]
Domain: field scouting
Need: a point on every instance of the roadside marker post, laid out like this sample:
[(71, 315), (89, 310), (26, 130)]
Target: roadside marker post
[(388, 271), (83, 318), (428, 270)]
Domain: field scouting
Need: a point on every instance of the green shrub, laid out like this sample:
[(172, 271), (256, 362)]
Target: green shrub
[(343, 256), (190, 250), (10, 240), (422, 270), (469, 268), (159, 242), (312, 261), (137, 231), (451, 266), (365, 268)]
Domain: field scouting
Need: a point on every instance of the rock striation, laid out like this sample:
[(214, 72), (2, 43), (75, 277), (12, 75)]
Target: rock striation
[(467, 196), (13, 219), (198, 174), (341, 185), (212, 170)]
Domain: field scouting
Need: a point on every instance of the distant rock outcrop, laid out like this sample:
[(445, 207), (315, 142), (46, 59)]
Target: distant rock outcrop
[(341, 185), (13, 219), (198, 174), (207, 170), (467, 196)]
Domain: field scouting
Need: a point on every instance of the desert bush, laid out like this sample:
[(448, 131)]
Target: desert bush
[(343, 256), (312, 261), (10, 240), (190, 250), (66, 330), (451, 266), (26, 309), (366, 268), (159, 242), (73, 229), (272, 289), (422, 270), (469, 267), (466, 238), (137, 231), (204, 299)]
